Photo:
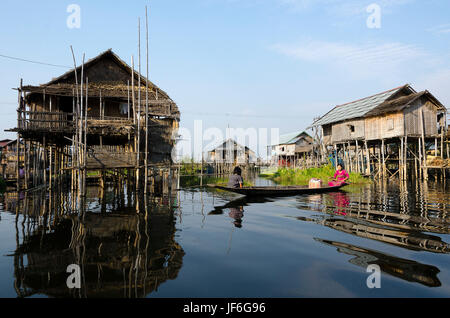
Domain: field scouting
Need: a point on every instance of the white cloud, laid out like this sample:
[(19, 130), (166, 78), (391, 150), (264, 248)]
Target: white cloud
[(370, 56), (344, 7), (441, 29)]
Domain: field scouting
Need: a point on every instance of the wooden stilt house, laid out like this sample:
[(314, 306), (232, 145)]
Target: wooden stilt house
[(406, 120), (96, 117)]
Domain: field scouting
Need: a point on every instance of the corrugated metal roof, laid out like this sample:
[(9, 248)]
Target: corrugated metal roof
[(6, 142), (291, 138), (356, 109)]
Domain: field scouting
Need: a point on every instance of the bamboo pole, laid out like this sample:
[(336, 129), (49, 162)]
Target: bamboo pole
[(45, 160), (85, 137), (139, 106), (133, 98), (146, 107), (128, 99), (77, 115), (19, 111), (73, 143), (80, 145), (50, 169)]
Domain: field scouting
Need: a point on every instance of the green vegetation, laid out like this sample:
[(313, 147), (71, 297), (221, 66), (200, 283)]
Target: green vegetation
[(286, 176)]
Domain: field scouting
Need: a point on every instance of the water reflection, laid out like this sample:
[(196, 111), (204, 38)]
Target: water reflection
[(127, 247), (122, 251), (237, 214), (396, 214), (340, 202), (402, 268), (399, 217)]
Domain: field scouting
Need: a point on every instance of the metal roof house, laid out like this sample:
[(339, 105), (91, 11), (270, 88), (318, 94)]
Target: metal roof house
[(291, 147), (387, 133), (394, 113)]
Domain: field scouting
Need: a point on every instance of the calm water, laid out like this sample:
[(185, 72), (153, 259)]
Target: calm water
[(206, 243)]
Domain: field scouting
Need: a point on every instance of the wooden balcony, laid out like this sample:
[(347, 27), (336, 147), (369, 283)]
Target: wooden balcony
[(59, 122), (44, 122)]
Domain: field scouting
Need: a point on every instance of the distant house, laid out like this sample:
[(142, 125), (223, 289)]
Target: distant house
[(230, 151), (8, 159), (292, 147), (395, 113)]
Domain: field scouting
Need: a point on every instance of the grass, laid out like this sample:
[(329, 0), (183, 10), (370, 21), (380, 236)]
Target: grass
[(286, 176)]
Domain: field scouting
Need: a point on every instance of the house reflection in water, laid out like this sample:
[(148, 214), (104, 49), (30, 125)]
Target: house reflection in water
[(120, 253), (402, 268)]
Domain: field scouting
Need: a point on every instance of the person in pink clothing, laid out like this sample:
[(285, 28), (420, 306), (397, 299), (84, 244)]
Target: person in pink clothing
[(340, 177)]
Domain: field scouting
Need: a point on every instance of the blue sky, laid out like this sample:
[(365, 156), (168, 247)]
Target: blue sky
[(243, 63)]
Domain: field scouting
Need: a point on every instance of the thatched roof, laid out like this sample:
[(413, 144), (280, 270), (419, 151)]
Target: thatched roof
[(116, 73)]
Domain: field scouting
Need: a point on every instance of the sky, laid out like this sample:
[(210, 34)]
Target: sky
[(239, 63)]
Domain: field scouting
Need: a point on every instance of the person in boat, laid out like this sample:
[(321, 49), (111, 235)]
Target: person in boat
[(236, 180), (340, 177)]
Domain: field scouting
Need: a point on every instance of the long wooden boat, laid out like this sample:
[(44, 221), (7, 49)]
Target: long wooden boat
[(278, 191)]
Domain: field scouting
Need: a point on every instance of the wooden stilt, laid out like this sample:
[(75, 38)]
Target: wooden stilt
[(383, 167)]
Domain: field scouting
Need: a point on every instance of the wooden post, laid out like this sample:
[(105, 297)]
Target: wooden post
[(415, 165), (435, 147), (422, 124), (357, 156), (27, 151), (405, 172), (420, 159), (400, 159), (335, 156), (45, 161), (368, 171), (380, 164), (384, 159)]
